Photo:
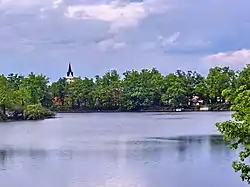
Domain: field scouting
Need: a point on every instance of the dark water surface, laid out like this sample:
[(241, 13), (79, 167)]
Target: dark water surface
[(117, 150)]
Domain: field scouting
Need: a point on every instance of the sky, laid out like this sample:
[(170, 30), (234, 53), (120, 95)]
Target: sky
[(43, 36)]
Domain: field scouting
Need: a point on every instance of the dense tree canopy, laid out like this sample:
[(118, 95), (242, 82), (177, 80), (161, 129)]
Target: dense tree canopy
[(237, 131), (218, 80), (18, 93), (133, 91)]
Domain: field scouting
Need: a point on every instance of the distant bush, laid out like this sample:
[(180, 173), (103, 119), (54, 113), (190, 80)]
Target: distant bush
[(37, 112), (219, 107), (60, 108), (197, 108), (2, 117)]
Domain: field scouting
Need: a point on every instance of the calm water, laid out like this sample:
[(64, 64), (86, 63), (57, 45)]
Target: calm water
[(117, 150)]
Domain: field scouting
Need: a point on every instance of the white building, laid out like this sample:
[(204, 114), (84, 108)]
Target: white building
[(70, 74)]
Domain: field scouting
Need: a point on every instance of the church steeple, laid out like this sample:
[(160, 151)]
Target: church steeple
[(70, 74)]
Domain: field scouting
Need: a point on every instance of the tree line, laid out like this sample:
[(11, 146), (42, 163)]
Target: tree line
[(148, 89), (132, 91)]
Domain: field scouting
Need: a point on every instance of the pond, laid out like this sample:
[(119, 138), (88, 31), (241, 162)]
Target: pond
[(117, 150)]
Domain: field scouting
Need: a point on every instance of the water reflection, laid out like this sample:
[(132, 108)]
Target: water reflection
[(153, 149), (34, 154), (219, 148), (3, 159), (217, 140), (153, 161)]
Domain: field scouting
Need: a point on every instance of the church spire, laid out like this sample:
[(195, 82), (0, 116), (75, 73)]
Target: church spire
[(70, 72)]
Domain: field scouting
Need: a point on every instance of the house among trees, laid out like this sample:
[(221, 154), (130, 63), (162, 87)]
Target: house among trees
[(57, 101), (196, 100)]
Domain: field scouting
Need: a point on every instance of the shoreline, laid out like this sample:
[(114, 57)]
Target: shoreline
[(145, 111), (201, 108), (103, 112), (23, 120)]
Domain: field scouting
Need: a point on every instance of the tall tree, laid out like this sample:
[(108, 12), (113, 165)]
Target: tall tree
[(107, 91), (15, 80), (141, 89), (219, 79), (237, 131), (175, 91), (244, 77), (59, 89), (37, 86), (5, 93)]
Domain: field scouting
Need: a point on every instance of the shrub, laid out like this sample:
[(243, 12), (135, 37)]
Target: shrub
[(2, 117), (37, 112)]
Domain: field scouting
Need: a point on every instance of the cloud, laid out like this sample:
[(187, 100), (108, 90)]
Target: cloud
[(98, 35), (119, 15), (169, 40), (57, 3), (178, 44), (111, 45), (236, 59)]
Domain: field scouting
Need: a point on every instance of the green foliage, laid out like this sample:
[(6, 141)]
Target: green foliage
[(17, 92), (243, 79), (2, 117), (106, 92), (59, 89), (37, 112), (237, 131), (135, 91), (141, 89), (36, 85), (5, 94), (179, 88), (175, 90), (219, 79)]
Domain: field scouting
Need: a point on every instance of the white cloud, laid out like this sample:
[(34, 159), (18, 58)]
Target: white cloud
[(182, 43), (57, 3), (119, 15), (169, 40), (174, 37), (237, 58), (111, 44)]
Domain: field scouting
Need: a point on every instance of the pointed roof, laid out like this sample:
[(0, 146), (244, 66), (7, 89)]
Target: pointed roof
[(70, 72)]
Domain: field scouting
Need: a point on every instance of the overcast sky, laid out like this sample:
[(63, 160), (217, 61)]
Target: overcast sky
[(42, 36)]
